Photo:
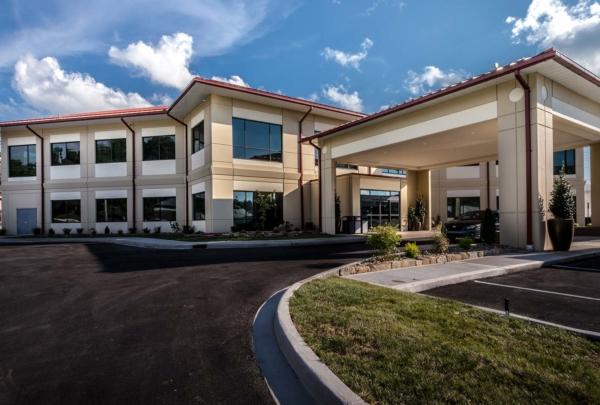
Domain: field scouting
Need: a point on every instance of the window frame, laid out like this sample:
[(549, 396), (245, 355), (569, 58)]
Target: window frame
[(112, 150), (199, 212), (194, 133), (158, 138), (31, 169), (162, 209), (53, 156), (275, 154), (67, 203), (107, 211)]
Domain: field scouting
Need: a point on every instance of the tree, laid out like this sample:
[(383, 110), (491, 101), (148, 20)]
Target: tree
[(263, 205), (562, 199), (420, 210)]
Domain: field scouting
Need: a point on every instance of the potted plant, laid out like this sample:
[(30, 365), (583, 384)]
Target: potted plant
[(562, 206)]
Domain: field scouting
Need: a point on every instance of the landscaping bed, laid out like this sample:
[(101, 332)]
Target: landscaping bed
[(393, 347)]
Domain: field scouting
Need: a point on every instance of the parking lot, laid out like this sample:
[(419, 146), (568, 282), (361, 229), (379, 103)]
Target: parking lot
[(567, 294)]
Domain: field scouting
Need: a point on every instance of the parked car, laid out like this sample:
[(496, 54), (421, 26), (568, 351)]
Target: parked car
[(468, 224)]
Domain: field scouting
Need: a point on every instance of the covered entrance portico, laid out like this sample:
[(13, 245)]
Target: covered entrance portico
[(517, 114)]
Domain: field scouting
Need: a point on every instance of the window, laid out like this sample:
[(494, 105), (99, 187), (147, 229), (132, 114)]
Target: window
[(316, 152), (346, 166), (21, 161), (398, 172), (247, 212), (566, 157), (256, 140), (159, 147), (458, 206), (198, 137), (64, 153), (380, 207), (159, 208), (111, 210), (199, 206), (111, 150), (66, 211)]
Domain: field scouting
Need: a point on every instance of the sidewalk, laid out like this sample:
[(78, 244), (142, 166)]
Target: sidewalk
[(421, 278)]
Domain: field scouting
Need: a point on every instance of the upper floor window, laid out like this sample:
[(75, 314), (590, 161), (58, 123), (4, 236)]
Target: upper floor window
[(159, 147), (199, 206), (567, 158), (21, 161), (66, 211), (64, 153), (111, 150), (256, 140), (198, 137), (346, 166)]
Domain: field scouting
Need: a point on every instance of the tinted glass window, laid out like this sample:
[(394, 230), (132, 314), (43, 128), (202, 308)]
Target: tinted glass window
[(21, 161), (566, 158), (199, 209), (159, 147), (64, 153), (256, 140), (111, 210), (159, 209), (380, 207), (198, 137), (257, 210), (66, 211), (111, 150)]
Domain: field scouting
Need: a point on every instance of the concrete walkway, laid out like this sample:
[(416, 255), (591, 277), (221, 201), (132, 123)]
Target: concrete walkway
[(421, 278)]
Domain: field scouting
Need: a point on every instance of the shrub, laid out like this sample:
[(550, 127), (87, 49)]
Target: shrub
[(37, 231), (384, 239), (562, 200), (157, 229), (3, 231), (146, 230), (107, 230), (441, 242), (93, 231), (488, 227), (66, 231), (465, 243), (187, 229), (412, 250), (120, 232), (175, 227), (79, 231), (132, 230), (420, 211), (51, 232)]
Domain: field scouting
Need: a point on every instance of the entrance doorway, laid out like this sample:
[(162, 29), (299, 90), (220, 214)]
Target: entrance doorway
[(380, 207)]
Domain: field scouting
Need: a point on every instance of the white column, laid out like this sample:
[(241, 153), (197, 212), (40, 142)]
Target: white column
[(595, 183), (327, 167)]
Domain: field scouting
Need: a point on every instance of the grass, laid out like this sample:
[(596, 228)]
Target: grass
[(392, 347)]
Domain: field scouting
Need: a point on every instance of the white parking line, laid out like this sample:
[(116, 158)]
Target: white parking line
[(560, 266), (536, 290)]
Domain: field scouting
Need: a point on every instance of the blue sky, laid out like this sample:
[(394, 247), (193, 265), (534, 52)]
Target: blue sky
[(59, 56)]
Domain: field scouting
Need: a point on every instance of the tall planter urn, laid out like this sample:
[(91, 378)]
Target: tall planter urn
[(561, 233)]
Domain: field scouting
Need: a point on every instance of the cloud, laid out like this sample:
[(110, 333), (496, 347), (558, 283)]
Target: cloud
[(216, 25), (166, 63), (233, 79), (376, 3), (339, 95), (431, 77), (349, 59), (573, 29), (45, 86)]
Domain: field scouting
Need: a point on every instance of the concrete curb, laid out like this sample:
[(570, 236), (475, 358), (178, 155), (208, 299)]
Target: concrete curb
[(234, 244), (419, 286), (322, 384)]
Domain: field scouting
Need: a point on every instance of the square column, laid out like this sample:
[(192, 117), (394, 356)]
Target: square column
[(327, 168), (595, 183), (418, 183), (512, 155)]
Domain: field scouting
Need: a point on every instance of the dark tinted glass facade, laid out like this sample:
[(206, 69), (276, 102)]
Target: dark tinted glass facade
[(198, 137), (21, 161), (159, 209), (199, 206), (566, 157), (380, 207), (247, 212), (111, 210), (66, 211), (111, 150), (256, 140), (159, 147), (64, 153)]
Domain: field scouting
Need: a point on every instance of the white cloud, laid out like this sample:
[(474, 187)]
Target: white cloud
[(339, 95), (376, 3), (45, 86), (574, 30), (166, 63), (349, 59), (233, 79), (162, 99), (430, 77)]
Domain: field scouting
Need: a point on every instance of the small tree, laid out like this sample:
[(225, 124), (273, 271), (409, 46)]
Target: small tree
[(384, 239), (412, 218), (420, 211), (263, 204), (562, 200), (488, 227), (440, 241)]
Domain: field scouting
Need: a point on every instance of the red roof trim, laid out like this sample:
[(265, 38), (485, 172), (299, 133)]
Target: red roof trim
[(549, 54), (87, 116), (262, 93)]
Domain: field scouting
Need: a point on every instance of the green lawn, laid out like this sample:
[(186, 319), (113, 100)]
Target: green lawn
[(392, 347)]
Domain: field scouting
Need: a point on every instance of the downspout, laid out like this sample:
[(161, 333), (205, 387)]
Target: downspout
[(320, 185), (187, 197), (43, 210), (300, 169), (487, 174), (527, 90), (133, 190)]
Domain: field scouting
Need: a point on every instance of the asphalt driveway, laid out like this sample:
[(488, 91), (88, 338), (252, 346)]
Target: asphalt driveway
[(100, 324)]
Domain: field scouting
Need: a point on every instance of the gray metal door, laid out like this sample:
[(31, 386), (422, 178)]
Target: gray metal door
[(26, 220)]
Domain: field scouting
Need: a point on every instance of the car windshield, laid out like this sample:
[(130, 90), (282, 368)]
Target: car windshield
[(471, 215)]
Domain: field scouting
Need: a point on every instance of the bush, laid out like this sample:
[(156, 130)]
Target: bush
[(79, 231), (412, 250), (120, 232), (384, 239), (51, 232), (465, 243), (146, 230), (187, 229), (66, 231), (93, 231), (107, 230), (132, 230), (441, 242), (488, 227), (175, 227), (157, 230), (562, 199), (37, 231)]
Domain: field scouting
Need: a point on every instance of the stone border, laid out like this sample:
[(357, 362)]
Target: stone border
[(322, 384)]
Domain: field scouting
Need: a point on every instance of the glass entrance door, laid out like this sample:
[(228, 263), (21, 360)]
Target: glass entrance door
[(380, 207)]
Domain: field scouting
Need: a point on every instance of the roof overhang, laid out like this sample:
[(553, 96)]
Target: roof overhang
[(549, 63), (199, 90)]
